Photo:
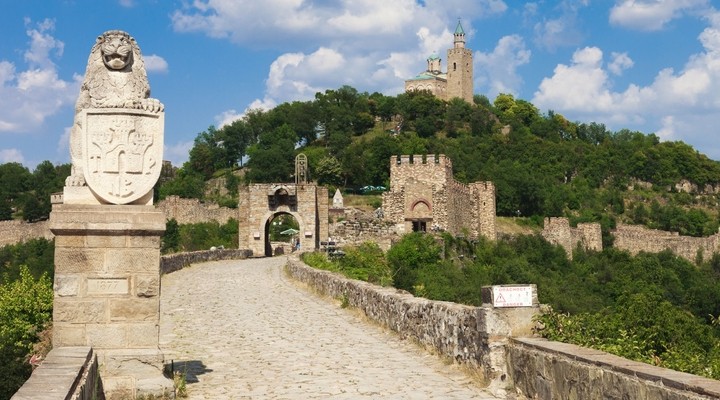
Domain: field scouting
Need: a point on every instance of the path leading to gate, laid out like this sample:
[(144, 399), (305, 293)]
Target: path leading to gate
[(244, 330)]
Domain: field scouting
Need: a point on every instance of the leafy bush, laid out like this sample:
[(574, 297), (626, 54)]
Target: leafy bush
[(38, 255), (366, 262), (25, 309), (204, 235)]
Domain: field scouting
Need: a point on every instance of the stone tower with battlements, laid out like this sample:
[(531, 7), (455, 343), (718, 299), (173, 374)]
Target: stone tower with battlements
[(457, 82), (424, 196)]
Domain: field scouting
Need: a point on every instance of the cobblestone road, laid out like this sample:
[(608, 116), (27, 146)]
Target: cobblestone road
[(244, 330)]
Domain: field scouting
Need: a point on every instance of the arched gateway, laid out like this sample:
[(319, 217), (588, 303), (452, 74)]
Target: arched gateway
[(260, 203)]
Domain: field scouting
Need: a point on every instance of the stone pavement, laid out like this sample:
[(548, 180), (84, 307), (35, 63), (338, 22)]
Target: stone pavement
[(244, 330)]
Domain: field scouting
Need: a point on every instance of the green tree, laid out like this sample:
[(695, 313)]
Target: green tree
[(171, 237), (25, 309), (272, 158), (329, 171)]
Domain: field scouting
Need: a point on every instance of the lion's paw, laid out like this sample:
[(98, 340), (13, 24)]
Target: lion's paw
[(75, 180), (152, 105)]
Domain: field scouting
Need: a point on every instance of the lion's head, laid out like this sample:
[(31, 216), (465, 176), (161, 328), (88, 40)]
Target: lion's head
[(116, 48)]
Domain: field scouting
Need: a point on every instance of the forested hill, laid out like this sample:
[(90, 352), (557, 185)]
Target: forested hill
[(542, 164)]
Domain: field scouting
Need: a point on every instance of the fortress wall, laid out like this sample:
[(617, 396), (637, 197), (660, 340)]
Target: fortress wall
[(542, 369), (636, 238), (192, 211), (453, 206), (12, 232), (557, 230), (354, 233)]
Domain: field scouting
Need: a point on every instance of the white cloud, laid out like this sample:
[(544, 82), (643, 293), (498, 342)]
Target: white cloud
[(127, 3), (561, 31), (678, 105), (498, 70), (283, 23), (155, 63), (619, 63), (667, 130), (11, 155), (28, 97), (362, 43), (652, 15), (229, 116)]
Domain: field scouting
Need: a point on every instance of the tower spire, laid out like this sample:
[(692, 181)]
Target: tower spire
[(459, 35)]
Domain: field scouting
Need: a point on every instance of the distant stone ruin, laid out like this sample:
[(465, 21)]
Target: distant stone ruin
[(557, 230), (636, 238)]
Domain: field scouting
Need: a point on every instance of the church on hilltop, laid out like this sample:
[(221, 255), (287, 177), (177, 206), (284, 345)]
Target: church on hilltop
[(457, 81)]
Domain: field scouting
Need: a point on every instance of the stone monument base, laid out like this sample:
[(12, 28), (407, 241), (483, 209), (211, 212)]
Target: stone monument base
[(83, 195), (107, 291)]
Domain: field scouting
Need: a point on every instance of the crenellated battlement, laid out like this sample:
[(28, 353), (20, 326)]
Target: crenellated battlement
[(424, 195)]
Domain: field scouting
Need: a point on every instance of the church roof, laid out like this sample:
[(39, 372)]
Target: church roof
[(426, 75), (434, 56), (459, 29)]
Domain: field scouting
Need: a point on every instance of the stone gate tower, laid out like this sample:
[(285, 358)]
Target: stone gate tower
[(424, 196), (460, 68)]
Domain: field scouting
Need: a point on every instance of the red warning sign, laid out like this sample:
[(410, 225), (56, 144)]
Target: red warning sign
[(512, 296)]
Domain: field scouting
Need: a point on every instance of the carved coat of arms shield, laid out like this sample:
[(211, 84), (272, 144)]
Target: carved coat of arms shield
[(122, 151)]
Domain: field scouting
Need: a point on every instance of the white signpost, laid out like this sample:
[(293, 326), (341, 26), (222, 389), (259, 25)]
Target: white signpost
[(512, 296)]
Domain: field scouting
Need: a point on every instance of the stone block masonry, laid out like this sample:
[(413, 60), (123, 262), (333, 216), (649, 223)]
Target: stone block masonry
[(545, 370), (635, 238), (424, 195), (107, 290), (558, 231), (66, 373), (192, 211), (12, 232)]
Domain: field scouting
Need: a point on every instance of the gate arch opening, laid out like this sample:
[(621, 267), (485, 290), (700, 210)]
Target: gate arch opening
[(282, 234)]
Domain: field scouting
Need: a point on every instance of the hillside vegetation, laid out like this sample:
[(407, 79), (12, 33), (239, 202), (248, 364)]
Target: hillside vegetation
[(542, 164)]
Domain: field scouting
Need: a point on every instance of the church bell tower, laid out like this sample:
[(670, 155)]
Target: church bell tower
[(460, 68)]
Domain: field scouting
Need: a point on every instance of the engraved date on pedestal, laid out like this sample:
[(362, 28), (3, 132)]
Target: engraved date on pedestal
[(108, 286)]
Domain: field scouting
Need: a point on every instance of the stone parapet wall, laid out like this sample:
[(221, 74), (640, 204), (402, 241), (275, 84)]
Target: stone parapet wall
[(636, 238), (174, 262), (557, 230), (192, 211), (472, 336), (66, 373), (12, 232), (546, 370)]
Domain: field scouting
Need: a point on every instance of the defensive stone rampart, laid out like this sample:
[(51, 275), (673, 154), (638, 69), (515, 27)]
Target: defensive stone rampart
[(474, 336), (174, 262), (12, 232), (192, 211), (356, 232), (424, 195), (558, 231), (636, 238), (545, 370), (66, 373)]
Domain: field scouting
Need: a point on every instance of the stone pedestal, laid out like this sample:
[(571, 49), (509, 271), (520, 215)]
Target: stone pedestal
[(107, 290)]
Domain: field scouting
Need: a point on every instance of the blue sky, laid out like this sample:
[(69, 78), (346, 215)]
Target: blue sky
[(652, 66)]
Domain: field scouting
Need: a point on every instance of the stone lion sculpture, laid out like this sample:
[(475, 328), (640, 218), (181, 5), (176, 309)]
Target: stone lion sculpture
[(115, 78)]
